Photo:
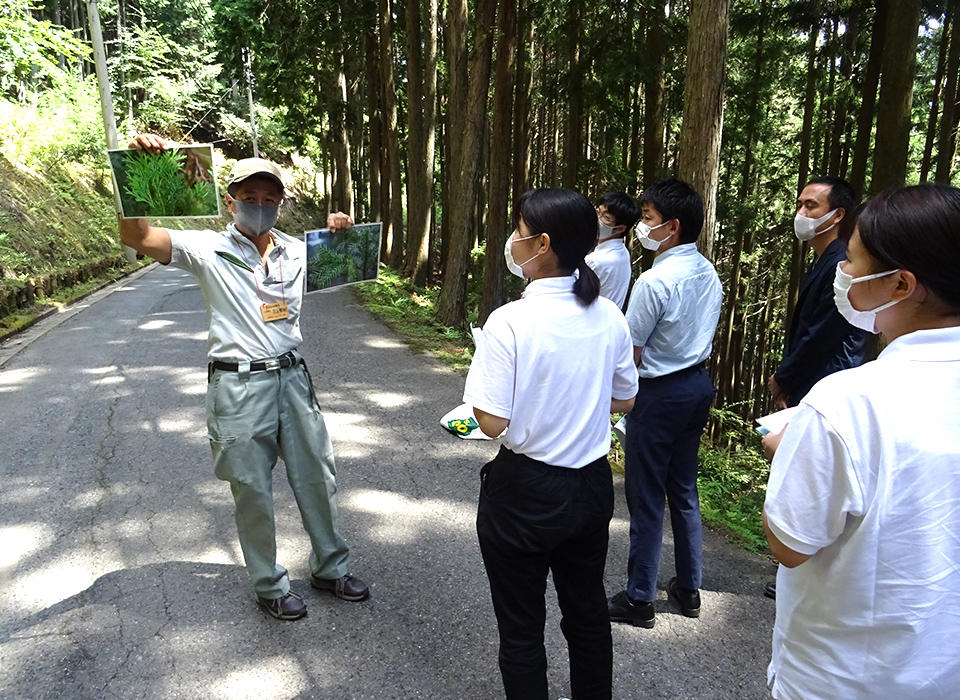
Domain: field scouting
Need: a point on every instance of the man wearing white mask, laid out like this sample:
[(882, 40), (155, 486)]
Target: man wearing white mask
[(260, 401), (616, 215), (672, 315), (819, 340)]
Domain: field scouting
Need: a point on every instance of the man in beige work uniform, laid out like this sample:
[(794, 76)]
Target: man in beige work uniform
[(260, 403)]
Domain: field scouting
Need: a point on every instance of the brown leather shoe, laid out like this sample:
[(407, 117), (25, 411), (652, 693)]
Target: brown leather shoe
[(288, 607), (346, 587)]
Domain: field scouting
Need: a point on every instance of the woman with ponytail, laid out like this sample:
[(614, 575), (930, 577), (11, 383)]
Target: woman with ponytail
[(548, 372)]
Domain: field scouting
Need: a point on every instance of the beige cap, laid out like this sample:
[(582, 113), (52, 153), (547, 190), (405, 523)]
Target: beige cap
[(249, 167)]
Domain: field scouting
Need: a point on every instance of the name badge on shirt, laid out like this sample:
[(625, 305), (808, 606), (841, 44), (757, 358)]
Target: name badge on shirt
[(274, 312)]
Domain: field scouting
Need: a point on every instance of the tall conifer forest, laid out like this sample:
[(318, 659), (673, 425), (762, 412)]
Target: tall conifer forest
[(433, 115)]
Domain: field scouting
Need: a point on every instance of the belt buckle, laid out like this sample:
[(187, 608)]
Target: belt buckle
[(271, 365)]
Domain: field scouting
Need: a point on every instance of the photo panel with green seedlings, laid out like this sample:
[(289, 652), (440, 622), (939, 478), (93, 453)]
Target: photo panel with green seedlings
[(179, 182), (344, 257)]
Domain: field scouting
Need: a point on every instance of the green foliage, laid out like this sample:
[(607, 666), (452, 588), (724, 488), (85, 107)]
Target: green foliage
[(52, 222), (295, 48), (327, 265), (163, 63), (234, 127), (74, 113), (29, 50), (156, 182), (56, 208), (64, 128), (154, 185), (202, 199), (410, 311), (57, 232), (346, 257), (733, 481)]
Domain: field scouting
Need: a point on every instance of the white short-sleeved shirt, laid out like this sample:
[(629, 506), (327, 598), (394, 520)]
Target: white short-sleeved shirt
[(235, 283), (673, 312), (611, 261), (551, 366), (867, 480)]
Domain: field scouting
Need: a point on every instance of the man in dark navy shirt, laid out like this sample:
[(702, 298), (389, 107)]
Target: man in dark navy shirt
[(819, 340)]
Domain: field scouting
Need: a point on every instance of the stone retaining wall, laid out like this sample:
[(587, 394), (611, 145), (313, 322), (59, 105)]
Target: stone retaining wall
[(21, 293)]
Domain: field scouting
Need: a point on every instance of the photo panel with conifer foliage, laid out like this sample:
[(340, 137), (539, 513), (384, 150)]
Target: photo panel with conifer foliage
[(344, 257), (179, 182)]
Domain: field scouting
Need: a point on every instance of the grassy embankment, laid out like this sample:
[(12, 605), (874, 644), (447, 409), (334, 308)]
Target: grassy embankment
[(58, 240), (733, 473), (58, 230)]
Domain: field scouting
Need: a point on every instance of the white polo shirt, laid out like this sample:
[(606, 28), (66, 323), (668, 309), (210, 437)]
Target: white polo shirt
[(551, 366), (673, 312), (867, 480), (611, 261), (235, 283)]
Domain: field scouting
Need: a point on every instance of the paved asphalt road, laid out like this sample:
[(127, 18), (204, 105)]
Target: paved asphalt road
[(121, 577)]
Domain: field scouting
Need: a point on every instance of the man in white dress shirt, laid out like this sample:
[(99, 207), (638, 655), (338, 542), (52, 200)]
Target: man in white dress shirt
[(672, 315), (616, 215)]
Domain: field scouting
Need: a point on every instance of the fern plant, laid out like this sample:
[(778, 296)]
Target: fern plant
[(348, 256)]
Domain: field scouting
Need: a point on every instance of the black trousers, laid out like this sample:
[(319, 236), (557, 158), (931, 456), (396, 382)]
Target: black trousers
[(534, 518)]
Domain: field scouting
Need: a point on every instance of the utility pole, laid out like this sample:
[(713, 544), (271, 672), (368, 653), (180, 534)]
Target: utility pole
[(106, 100), (248, 69)]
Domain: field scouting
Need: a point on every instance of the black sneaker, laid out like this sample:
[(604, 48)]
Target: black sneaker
[(288, 607), (622, 609), (770, 590), (689, 601), (346, 587)]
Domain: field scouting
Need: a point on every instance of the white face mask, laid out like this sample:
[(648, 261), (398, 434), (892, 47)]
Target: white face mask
[(508, 255), (865, 320), (806, 228), (643, 235), (603, 231)]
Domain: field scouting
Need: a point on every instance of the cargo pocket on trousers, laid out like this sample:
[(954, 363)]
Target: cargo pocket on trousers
[(222, 447)]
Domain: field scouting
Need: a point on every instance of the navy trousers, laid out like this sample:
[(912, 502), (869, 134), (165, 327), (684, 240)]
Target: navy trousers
[(534, 518), (663, 438)]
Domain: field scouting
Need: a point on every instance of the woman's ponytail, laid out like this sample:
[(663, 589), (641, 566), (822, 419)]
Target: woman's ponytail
[(587, 286)]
